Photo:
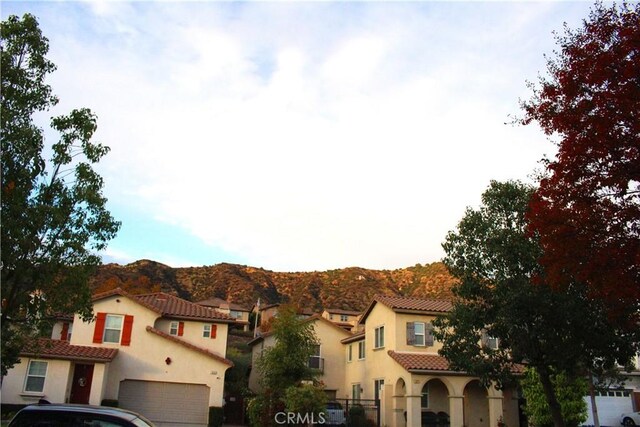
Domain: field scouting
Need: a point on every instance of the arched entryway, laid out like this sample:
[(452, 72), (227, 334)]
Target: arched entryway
[(476, 405), (400, 403), (434, 404)]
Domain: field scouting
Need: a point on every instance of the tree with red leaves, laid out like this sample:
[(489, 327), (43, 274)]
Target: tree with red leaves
[(587, 208)]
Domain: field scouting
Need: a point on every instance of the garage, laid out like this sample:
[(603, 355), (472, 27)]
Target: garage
[(166, 404), (610, 404)]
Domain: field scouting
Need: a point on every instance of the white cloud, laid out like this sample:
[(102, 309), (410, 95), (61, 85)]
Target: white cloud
[(334, 140)]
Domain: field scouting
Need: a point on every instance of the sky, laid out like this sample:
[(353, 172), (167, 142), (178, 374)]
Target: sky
[(300, 136)]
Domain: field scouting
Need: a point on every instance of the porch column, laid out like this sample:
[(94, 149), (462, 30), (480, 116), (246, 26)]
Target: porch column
[(386, 404), (414, 410), (495, 410), (398, 412), (456, 411)]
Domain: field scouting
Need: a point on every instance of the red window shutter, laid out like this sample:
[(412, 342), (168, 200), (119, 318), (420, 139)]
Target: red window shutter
[(99, 330), (126, 330), (180, 329), (214, 330), (64, 334)]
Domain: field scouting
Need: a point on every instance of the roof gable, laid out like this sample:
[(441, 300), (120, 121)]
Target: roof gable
[(189, 346), (408, 305)]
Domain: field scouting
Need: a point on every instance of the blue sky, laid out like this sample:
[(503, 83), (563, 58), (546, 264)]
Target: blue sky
[(299, 136)]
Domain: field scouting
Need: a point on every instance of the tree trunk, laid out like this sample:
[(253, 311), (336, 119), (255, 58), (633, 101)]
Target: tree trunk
[(550, 394), (594, 407)]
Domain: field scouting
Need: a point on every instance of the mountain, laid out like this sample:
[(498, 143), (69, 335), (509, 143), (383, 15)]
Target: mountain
[(347, 288)]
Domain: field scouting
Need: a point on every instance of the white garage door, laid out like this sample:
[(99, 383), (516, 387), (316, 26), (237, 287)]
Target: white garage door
[(610, 405), (166, 404)]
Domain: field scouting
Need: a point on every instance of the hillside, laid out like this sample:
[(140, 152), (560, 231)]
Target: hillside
[(348, 288)]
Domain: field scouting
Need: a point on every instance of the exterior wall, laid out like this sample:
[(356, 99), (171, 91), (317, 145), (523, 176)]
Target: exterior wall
[(55, 384), (356, 371), (256, 352), (331, 350), (378, 364), (400, 325), (148, 362), (267, 314), (193, 334)]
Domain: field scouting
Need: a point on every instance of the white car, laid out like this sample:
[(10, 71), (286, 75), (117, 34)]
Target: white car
[(630, 419), (335, 414)]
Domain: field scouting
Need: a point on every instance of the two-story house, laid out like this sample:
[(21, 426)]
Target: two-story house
[(236, 311), (347, 319), (395, 359), (327, 358), (156, 354)]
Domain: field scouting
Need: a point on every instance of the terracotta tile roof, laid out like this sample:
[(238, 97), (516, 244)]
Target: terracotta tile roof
[(174, 307), (341, 311), (55, 349), (190, 346), (420, 361), (219, 302), (408, 303), (355, 337)]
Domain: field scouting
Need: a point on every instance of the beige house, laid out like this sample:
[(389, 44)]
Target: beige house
[(347, 319), (155, 354), (236, 311), (398, 363), (394, 358), (328, 358), (267, 312)]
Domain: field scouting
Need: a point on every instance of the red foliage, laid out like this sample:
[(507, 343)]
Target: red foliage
[(587, 209)]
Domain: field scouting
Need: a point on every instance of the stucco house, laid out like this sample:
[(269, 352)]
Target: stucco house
[(394, 358), (237, 312), (347, 319), (327, 359), (156, 354)]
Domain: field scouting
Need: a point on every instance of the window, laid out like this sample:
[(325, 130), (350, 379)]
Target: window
[(36, 374), (350, 353), (377, 386), (355, 392), (235, 314), (112, 328), (209, 331), (69, 331), (492, 343), (424, 399), (361, 350), (173, 328), (315, 361), (344, 318), (330, 316), (379, 337)]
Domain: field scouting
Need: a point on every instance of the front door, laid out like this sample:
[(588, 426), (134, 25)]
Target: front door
[(81, 387)]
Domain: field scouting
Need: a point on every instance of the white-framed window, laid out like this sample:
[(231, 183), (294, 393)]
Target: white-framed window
[(349, 352), (235, 314), (492, 342), (173, 328), (355, 391), (361, 350), (379, 337), (315, 361), (206, 331), (419, 333), (344, 318), (36, 374), (112, 328)]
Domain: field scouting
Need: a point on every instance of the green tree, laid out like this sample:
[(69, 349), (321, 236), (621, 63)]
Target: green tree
[(570, 394), (495, 261), (54, 218), (284, 366)]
